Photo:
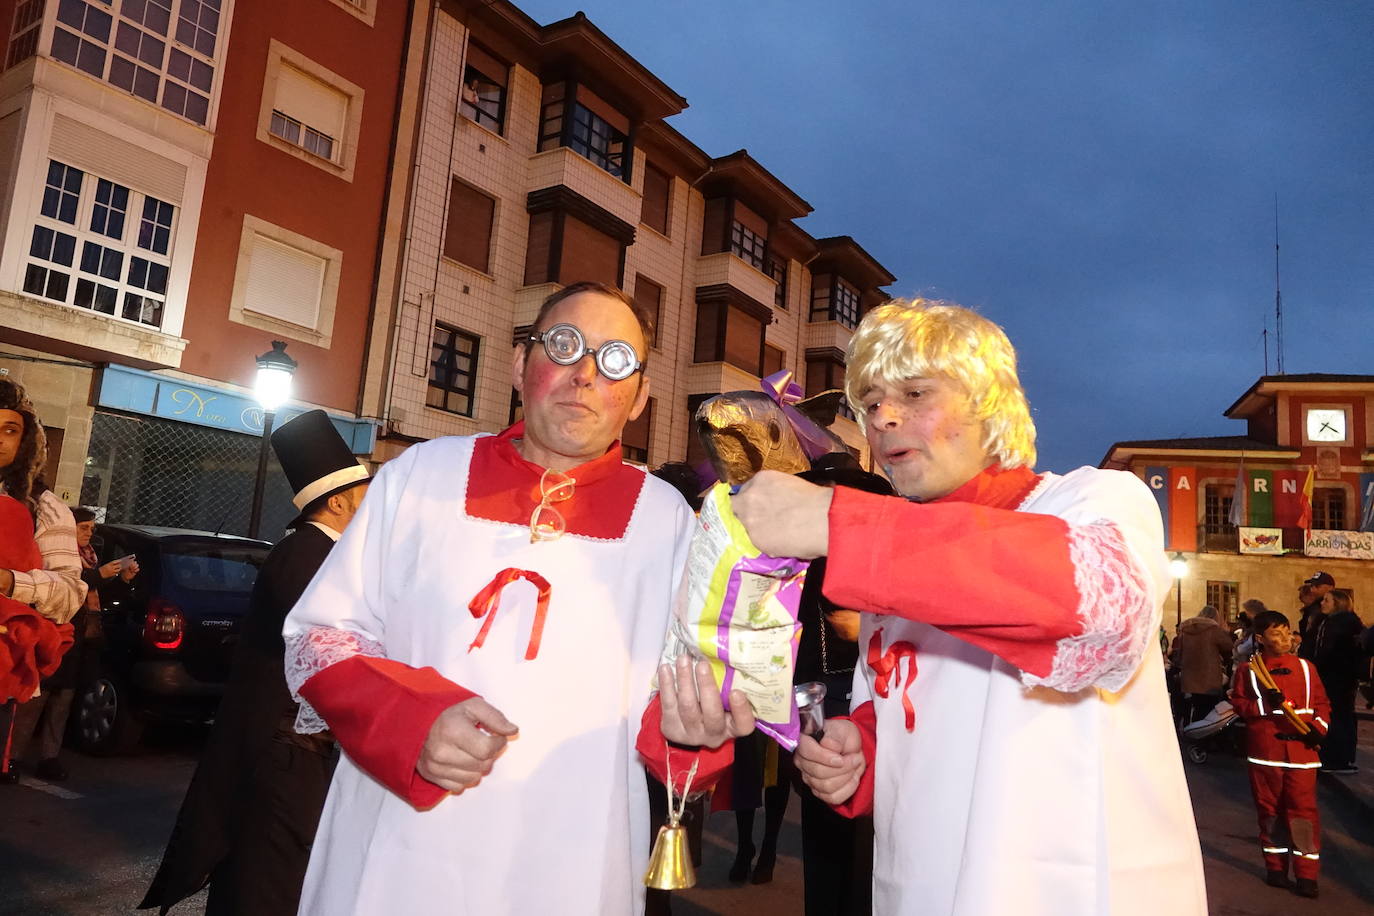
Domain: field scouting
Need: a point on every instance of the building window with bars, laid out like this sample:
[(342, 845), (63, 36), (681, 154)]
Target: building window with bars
[(573, 116), (748, 245), (99, 245), (452, 370), (1225, 597), (1217, 502), (834, 299), (777, 269), (1328, 508), (484, 89), (134, 45), (28, 18)]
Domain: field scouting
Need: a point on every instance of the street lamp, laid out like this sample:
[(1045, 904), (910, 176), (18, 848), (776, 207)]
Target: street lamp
[(272, 387), (1178, 568)]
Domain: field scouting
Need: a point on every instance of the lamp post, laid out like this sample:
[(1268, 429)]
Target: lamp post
[(272, 387), (1178, 568)]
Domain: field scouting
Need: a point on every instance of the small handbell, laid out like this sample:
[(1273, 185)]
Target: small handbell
[(670, 864)]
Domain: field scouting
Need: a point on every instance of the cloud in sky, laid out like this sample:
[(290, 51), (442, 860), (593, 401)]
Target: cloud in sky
[(1098, 177)]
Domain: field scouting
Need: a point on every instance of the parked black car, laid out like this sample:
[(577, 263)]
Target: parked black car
[(169, 640)]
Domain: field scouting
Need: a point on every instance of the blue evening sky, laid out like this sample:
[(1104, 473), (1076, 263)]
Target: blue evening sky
[(1096, 176)]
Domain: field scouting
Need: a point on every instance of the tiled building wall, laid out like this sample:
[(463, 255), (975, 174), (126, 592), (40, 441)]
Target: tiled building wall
[(492, 304)]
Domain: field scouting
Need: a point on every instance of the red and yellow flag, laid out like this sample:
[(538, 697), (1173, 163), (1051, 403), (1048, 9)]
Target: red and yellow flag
[(1305, 513)]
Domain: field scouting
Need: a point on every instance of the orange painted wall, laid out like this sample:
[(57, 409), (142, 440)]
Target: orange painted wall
[(249, 176)]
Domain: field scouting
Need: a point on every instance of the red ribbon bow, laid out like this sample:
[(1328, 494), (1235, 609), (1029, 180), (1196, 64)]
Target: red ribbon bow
[(488, 599), (885, 665)]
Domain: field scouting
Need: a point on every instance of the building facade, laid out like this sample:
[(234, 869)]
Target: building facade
[(1303, 475), (545, 157), (185, 181)]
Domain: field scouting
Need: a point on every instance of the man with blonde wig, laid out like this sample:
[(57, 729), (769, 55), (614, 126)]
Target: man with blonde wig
[(1010, 729)]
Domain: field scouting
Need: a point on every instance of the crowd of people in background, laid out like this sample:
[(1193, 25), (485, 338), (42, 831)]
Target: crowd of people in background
[(1317, 669)]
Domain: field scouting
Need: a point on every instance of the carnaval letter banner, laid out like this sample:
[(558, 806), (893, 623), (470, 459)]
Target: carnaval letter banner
[(1267, 541), (1261, 498), (1157, 479), (1182, 528), (1351, 545)]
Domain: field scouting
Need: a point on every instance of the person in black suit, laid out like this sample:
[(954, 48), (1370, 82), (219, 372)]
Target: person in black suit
[(249, 816)]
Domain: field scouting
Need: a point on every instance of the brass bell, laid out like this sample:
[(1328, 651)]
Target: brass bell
[(670, 864)]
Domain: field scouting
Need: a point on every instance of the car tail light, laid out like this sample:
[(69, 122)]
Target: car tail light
[(164, 626)]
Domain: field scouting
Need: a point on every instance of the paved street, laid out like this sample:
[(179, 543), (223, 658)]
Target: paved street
[(89, 847)]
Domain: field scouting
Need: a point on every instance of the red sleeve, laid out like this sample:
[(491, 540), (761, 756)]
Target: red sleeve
[(861, 802), (1242, 696), (381, 712), (999, 579), (1321, 704), (657, 754)]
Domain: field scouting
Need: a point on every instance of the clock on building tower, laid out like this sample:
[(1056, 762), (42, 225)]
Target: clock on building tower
[(1326, 424)]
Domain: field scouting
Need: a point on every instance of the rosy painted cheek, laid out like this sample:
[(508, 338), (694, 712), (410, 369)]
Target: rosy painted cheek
[(540, 379)]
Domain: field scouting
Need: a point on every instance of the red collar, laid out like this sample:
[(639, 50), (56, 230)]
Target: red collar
[(995, 488), (504, 487)]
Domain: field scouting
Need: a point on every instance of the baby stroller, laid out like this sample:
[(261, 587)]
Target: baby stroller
[(1210, 732)]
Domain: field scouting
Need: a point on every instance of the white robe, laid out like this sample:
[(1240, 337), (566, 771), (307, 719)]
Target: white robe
[(1008, 798), (561, 824)]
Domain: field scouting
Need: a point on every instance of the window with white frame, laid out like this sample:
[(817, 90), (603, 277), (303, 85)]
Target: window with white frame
[(285, 282), (101, 246), (162, 51), (308, 113)]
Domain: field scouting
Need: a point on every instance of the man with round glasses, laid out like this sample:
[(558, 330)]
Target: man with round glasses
[(500, 597)]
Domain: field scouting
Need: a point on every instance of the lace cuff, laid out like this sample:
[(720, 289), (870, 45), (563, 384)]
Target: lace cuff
[(1114, 609), (310, 652)]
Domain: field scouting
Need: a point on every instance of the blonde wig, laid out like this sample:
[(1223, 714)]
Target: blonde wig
[(923, 338)]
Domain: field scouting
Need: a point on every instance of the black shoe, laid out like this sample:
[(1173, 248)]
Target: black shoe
[(51, 770), (1275, 878), (763, 871), (739, 872), (9, 777), (1307, 887)]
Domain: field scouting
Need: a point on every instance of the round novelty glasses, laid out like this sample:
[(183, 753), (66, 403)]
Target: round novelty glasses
[(565, 345)]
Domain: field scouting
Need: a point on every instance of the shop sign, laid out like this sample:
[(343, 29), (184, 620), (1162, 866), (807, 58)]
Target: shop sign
[(1349, 545), (136, 391)]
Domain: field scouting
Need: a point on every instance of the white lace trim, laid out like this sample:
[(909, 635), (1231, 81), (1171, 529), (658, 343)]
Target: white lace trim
[(1114, 607), (309, 653)]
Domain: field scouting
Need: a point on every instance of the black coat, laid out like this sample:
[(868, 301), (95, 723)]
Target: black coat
[(256, 703)]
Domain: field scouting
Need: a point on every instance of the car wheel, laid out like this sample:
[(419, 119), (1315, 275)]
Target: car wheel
[(104, 722)]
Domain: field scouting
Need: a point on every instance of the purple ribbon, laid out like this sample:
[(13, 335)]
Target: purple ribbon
[(814, 440)]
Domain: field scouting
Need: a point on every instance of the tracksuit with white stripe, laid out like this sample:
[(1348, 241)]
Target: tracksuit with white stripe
[(1283, 770)]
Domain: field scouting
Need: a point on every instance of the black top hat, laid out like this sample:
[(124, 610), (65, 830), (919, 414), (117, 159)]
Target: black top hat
[(315, 458)]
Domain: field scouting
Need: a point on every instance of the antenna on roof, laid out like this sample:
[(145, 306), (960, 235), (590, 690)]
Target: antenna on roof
[(1278, 296), (1265, 334)]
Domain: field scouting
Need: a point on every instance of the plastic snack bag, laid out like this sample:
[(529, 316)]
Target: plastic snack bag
[(739, 612)]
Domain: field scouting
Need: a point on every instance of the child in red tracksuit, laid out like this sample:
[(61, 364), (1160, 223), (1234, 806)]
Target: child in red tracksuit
[(1283, 763)]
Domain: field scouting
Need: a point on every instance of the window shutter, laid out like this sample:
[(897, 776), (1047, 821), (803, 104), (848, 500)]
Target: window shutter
[(467, 237), (284, 282), (649, 297), (486, 63), (588, 254), (311, 102), (654, 212)]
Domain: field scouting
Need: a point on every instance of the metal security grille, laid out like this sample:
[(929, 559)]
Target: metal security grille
[(146, 471)]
